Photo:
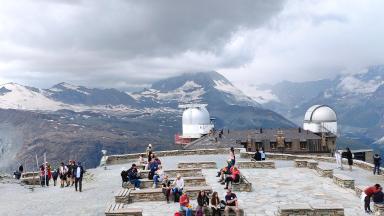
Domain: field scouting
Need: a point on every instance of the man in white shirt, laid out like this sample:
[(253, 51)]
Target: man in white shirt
[(79, 171), (178, 186)]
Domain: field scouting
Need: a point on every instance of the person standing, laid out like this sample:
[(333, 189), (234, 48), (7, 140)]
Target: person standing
[(376, 162), (55, 175), (231, 203), (232, 156), (338, 158), (21, 168), (63, 174), (349, 157), (368, 192), (78, 174), (215, 204)]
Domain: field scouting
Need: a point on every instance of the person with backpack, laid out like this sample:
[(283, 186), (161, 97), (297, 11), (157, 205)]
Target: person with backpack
[(215, 204), (134, 177), (376, 162), (63, 174), (202, 203), (78, 174), (124, 177), (55, 175)]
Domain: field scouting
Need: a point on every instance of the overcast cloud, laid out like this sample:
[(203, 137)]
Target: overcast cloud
[(127, 44)]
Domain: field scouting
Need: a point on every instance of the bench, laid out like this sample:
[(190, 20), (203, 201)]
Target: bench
[(29, 174), (208, 212), (378, 209), (242, 185), (344, 181), (200, 165), (188, 181), (313, 210), (359, 190), (31, 180), (154, 194), (312, 164), (121, 209), (192, 172), (324, 171), (300, 163), (255, 164)]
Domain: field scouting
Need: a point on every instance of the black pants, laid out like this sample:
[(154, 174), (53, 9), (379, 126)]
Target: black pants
[(215, 212), (78, 181), (367, 201)]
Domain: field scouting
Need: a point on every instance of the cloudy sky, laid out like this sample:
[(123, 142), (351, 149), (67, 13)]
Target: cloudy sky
[(129, 44)]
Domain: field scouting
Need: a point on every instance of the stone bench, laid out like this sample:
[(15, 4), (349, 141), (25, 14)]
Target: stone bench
[(156, 194), (209, 212), (324, 171), (312, 164), (311, 210), (300, 163), (192, 172), (29, 174), (255, 164), (359, 190), (243, 185), (188, 181), (31, 180), (199, 165), (344, 181), (378, 209), (121, 209)]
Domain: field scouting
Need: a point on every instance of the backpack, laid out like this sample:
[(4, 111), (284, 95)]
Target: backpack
[(199, 212), (150, 175)]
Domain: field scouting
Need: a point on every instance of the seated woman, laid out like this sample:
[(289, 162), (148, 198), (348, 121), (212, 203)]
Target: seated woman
[(141, 161), (257, 156), (158, 177), (215, 204), (234, 177), (178, 186), (166, 187), (153, 167), (202, 202), (225, 170), (184, 204)]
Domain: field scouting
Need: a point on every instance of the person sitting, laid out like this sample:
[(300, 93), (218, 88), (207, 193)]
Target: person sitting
[(225, 170), (234, 177), (153, 167), (215, 204), (158, 177), (157, 160), (202, 202), (124, 177), (231, 203), (369, 191), (378, 197), (262, 152), (184, 204), (134, 177), (141, 161), (257, 156), (166, 187), (178, 186)]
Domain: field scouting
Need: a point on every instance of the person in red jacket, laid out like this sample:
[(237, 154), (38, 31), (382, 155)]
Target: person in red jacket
[(234, 177), (184, 204), (369, 191)]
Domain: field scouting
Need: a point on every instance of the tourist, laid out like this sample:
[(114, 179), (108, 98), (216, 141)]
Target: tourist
[(78, 174), (178, 186), (262, 152), (349, 157), (141, 161), (49, 172), (234, 177), (232, 156), (151, 157), (215, 204), (378, 197), (184, 204), (43, 176), (257, 156), (226, 170), (55, 175), (231, 203), (21, 168), (339, 159), (124, 177), (63, 174), (376, 162), (134, 177), (157, 160), (148, 151), (158, 177), (166, 187), (202, 202), (153, 167), (368, 192), (70, 173)]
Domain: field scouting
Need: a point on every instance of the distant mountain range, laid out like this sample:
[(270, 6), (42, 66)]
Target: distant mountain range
[(76, 122), (358, 100)]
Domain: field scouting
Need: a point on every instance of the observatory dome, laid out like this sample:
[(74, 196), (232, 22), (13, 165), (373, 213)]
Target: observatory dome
[(320, 113), (196, 116)]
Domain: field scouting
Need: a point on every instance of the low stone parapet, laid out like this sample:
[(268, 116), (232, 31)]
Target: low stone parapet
[(300, 163), (121, 209), (312, 164), (188, 182), (359, 189), (256, 164), (193, 172), (243, 186), (200, 165), (378, 209), (209, 212), (294, 210), (344, 181), (311, 210), (328, 209), (31, 180), (324, 171)]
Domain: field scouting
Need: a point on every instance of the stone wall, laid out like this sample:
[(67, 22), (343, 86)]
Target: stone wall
[(378, 209), (255, 164), (344, 181), (325, 171), (188, 182), (243, 186), (201, 165), (310, 210)]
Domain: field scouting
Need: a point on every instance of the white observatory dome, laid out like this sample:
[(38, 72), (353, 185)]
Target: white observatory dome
[(196, 116), (320, 119)]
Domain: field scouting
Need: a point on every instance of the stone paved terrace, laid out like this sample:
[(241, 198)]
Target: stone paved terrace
[(271, 188)]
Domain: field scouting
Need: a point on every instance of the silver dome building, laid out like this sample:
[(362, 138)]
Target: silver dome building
[(320, 119)]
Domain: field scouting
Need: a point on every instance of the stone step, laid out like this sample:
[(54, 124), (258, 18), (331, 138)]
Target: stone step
[(191, 172), (300, 163), (256, 164), (199, 165), (188, 181), (344, 181), (121, 209), (324, 171)]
